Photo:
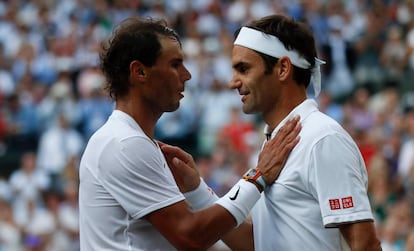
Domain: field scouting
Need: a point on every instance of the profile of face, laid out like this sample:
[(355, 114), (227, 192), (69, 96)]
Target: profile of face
[(258, 90), (167, 77)]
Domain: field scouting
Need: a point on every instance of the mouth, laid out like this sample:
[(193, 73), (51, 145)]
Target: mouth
[(243, 96)]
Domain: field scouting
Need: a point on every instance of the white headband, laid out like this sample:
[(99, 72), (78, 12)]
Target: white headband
[(272, 46)]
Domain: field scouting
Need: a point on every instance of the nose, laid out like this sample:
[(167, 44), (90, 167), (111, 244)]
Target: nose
[(186, 75), (235, 82)]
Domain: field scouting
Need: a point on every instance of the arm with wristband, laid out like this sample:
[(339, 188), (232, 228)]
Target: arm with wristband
[(244, 194)]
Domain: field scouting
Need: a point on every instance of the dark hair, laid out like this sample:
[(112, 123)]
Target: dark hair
[(294, 36), (133, 39)]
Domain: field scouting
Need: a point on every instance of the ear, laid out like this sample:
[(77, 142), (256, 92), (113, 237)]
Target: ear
[(137, 70), (285, 68)]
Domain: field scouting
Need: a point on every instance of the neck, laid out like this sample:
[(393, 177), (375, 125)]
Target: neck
[(282, 108), (145, 117)]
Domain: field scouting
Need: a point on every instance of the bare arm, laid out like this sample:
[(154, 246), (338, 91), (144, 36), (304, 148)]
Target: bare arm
[(361, 236), (188, 230)]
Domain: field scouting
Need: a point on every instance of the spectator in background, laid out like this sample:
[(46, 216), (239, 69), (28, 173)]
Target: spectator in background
[(7, 82), (236, 131), (93, 107), (406, 157), (22, 123), (340, 55), (329, 106), (10, 234), (368, 68), (393, 55), (57, 145), (68, 217), (28, 182), (381, 188), (60, 99), (212, 119)]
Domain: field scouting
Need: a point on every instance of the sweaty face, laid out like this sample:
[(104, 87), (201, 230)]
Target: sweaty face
[(167, 77), (258, 91)]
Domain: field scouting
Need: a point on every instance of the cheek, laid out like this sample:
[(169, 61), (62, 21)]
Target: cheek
[(263, 90)]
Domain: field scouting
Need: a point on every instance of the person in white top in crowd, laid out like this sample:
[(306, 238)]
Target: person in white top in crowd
[(319, 201), (128, 199), (27, 184)]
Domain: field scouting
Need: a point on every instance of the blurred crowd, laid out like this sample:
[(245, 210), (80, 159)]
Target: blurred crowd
[(52, 100)]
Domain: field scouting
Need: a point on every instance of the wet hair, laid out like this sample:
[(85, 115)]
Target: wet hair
[(133, 39), (294, 36)]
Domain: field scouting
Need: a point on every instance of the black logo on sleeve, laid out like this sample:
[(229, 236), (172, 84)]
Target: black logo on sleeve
[(235, 195)]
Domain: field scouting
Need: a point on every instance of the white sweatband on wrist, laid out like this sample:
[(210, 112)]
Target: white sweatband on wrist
[(201, 197), (240, 200)]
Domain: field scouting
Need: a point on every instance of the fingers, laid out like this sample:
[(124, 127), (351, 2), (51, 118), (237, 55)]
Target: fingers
[(287, 135), (173, 151), (276, 151), (291, 139), (182, 167), (160, 143)]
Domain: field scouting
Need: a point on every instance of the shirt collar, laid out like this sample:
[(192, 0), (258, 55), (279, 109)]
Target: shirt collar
[(303, 110)]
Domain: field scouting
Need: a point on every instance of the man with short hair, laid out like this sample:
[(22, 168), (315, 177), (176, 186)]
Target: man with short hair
[(319, 201)]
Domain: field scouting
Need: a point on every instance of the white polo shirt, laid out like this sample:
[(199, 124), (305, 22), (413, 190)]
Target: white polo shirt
[(123, 177), (323, 184)]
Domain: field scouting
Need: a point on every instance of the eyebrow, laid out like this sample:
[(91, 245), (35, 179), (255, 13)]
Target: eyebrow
[(240, 64), (177, 60)]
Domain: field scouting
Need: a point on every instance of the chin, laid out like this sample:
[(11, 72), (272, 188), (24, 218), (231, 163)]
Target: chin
[(173, 108), (249, 110)]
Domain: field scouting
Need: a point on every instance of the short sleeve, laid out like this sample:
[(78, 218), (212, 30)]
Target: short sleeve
[(136, 174), (338, 180)]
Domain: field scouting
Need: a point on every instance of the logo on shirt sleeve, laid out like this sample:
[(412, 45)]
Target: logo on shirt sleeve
[(342, 203), (347, 202), (335, 204)]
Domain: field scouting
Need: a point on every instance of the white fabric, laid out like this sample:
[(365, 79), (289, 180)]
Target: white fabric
[(201, 197), (57, 145), (123, 177), (240, 200), (406, 158), (295, 212), (269, 45), (272, 46)]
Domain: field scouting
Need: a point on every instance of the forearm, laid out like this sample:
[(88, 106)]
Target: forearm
[(361, 236), (188, 230), (240, 238), (209, 225), (238, 203), (198, 229), (214, 223)]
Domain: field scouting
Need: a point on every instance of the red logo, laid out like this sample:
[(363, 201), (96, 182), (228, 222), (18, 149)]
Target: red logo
[(335, 204), (347, 202)]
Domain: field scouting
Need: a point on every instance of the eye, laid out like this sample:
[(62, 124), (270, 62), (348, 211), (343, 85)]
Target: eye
[(176, 63), (241, 68)]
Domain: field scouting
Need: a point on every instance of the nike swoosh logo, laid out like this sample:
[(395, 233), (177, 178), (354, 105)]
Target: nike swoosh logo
[(235, 195)]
